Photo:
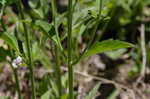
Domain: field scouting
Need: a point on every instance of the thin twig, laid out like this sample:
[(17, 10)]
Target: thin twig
[(142, 29), (143, 51), (103, 80)]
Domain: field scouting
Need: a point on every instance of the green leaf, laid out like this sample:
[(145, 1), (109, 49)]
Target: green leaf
[(46, 95), (116, 54), (49, 29), (114, 94), (39, 54), (64, 96), (65, 80), (3, 2), (36, 13), (3, 54), (4, 97), (93, 92), (8, 2), (54, 88), (107, 45), (93, 13), (10, 40), (45, 26)]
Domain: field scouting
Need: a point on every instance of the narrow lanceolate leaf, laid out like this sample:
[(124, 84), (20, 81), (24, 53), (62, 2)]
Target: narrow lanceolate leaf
[(10, 40), (93, 92), (107, 45)]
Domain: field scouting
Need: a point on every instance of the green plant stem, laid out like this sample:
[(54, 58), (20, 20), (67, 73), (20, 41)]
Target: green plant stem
[(93, 34), (107, 23), (54, 14), (57, 58), (58, 72), (28, 47), (95, 28), (70, 67), (1, 19), (15, 72), (17, 83), (2, 11)]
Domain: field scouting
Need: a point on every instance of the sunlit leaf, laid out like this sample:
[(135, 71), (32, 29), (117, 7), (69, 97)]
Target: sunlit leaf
[(107, 45)]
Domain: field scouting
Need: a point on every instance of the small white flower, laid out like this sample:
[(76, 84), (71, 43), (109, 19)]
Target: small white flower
[(14, 65), (16, 62)]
